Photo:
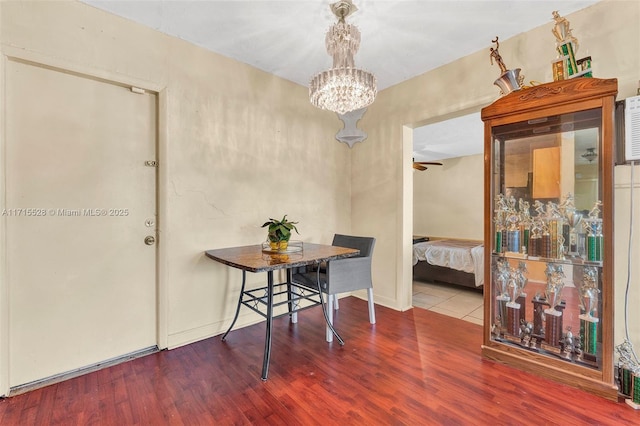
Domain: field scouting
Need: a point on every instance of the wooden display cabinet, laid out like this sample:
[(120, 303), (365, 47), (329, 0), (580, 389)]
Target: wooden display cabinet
[(549, 232)]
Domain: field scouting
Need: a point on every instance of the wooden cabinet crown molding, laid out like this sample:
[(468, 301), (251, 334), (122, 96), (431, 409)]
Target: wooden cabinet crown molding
[(551, 94)]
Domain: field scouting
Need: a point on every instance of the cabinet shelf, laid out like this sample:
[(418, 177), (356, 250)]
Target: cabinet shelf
[(550, 311), (565, 261)]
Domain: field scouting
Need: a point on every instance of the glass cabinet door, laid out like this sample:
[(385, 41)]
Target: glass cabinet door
[(547, 236)]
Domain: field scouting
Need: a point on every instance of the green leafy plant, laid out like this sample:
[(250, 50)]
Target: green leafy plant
[(280, 230)]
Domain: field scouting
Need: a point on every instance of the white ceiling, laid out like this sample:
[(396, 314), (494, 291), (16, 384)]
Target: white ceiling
[(400, 39), (456, 137)]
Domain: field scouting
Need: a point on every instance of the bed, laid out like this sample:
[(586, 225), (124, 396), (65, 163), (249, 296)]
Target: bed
[(452, 261)]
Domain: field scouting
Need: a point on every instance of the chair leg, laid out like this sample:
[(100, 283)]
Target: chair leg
[(372, 311), (335, 300), (329, 334)]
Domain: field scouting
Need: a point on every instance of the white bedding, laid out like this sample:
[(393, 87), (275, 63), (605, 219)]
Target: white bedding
[(462, 255)]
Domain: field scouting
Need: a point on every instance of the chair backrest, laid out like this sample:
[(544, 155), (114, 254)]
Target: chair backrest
[(364, 244)]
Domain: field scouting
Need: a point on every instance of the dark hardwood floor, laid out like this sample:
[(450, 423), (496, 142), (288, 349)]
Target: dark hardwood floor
[(414, 368)]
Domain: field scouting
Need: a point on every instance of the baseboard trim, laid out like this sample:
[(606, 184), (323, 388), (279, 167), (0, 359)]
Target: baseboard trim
[(36, 384)]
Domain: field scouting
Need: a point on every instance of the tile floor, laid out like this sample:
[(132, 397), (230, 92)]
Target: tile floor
[(458, 302)]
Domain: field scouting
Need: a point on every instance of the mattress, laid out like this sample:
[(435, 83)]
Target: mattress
[(462, 255)]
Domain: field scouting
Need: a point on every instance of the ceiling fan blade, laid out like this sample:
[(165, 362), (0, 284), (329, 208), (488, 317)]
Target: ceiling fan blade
[(432, 163), (419, 167)]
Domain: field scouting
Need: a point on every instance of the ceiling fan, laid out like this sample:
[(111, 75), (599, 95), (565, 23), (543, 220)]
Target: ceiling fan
[(422, 165)]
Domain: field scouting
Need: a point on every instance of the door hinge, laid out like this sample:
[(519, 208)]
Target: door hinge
[(151, 163)]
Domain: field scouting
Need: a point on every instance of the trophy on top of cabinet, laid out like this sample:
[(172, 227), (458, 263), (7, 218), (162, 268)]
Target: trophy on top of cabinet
[(509, 80), (566, 66)]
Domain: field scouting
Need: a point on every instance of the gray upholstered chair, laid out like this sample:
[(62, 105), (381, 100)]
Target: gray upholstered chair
[(343, 275)]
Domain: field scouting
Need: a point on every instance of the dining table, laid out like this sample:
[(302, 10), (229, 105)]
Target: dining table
[(265, 300)]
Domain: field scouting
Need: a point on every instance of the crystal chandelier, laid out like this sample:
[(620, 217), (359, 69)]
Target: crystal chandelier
[(344, 87)]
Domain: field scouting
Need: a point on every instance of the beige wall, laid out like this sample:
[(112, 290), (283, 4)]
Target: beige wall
[(447, 202), (237, 146), (232, 136)]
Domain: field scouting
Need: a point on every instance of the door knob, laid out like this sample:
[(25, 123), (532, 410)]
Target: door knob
[(149, 240)]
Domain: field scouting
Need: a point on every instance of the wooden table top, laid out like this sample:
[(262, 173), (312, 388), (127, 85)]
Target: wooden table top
[(254, 259)]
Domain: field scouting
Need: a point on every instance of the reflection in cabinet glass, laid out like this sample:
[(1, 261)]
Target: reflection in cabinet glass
[(549, 230)]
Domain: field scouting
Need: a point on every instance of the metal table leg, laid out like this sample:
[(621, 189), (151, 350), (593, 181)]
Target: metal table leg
[(267, 340), (292, 291), (235, 317)]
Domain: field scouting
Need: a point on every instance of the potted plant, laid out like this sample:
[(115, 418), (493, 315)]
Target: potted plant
[(279, 232)]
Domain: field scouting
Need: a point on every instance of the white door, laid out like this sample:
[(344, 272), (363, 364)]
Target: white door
[(80, 202)]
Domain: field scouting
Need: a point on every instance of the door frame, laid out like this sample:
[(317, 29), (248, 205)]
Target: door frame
[(10, 53)]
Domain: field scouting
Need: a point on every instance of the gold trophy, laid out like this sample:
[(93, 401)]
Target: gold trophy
[(566, 66)]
